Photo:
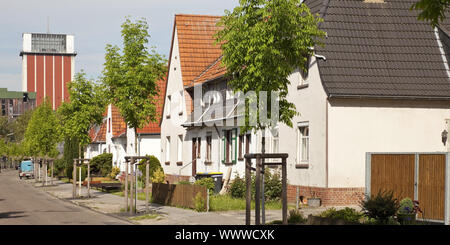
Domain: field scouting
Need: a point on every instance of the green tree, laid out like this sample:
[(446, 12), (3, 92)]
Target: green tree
[(85, 107), (131, 77), (432, 10), (43, 132), (19, 126), (263, 42)]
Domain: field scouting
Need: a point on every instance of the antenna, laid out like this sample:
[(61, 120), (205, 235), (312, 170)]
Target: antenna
[(48, 24)]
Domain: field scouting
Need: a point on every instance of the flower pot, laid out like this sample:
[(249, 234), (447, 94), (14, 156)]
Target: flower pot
[(406, 218)]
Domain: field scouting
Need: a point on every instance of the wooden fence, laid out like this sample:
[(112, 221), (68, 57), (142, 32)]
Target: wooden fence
[(177, 195)]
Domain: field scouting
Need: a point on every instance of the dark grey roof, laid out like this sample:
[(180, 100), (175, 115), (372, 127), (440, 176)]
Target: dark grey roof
[(379, 50)]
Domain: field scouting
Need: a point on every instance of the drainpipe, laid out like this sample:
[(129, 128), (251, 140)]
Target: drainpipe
[(326, 143)]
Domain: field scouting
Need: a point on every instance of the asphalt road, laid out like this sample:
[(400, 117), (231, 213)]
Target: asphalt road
[(23, 204)]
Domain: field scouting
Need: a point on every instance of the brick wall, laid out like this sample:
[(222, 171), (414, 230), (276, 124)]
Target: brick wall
[(328, 196)]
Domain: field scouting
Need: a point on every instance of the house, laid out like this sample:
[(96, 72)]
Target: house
[(193, 56), (113, 135), (380, 83)]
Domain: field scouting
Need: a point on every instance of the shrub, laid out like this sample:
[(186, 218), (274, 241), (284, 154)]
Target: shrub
[(114, 172), (199, 202), (347, 214), (154, 165), (208, 183), (158, 176), (380, 207), (183, 182), (272, 186), (296, 217), (101, 164), (237, 187), (59, 167)]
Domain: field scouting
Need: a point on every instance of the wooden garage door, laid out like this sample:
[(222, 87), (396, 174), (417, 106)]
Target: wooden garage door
[(393, 172), (432, 186)]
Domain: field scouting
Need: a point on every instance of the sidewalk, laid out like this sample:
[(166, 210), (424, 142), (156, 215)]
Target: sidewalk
[(163, 215)]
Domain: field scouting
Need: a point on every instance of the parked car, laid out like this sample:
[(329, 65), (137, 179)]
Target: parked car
[(26, 169)]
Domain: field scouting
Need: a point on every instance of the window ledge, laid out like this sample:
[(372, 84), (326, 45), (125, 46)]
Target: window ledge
[(302, 86), (179, 163), (167, 163), (302, 166)]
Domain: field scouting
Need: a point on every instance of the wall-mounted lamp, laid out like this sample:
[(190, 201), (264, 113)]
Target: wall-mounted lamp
[(444, 136)]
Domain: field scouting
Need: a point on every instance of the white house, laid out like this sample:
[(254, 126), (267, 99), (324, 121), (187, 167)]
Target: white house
[(113, 136), (380, 83)]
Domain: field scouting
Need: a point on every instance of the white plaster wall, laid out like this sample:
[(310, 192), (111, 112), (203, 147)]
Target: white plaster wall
[(26, 42), (172, 126), (360, 126), (70, 43), (24, 72), (150, 145), (310, 103)]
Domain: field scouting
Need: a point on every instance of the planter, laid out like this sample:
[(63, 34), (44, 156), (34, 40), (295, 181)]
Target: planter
[(406, 218), (314, 202)]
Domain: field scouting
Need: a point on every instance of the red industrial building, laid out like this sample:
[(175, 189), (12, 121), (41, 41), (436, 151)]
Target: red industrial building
[(47, 66)]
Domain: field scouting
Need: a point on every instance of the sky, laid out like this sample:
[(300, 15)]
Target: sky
[(94, 23)]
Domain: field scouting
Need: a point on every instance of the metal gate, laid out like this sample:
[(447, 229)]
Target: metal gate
[(419, 176)]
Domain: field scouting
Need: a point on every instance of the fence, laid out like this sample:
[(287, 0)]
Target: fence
[(177, 195)]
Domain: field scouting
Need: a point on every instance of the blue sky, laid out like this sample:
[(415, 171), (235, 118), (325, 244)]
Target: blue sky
[(94, 24)]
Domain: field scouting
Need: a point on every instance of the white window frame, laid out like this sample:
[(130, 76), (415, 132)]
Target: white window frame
[(300, 140)]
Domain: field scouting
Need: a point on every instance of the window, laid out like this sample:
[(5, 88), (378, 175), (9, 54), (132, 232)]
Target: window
[(199, 147), (208, 147), (50, 43), (180, 110), (168, 149), (303, 143), (241, 147), (109, 125), (168, 110), (229, 142), (180, 148)]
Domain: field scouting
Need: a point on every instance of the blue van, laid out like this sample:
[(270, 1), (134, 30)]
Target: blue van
[(26, 169)]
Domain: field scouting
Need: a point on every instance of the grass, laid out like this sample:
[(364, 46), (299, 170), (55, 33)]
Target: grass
[(226, 203), (141, 196), (146, 216)]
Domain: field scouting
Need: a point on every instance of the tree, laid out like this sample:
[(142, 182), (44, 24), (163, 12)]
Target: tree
[(43, 132), (432, 10), (19, 125), (263, 42), (85, 108), (131, 77)]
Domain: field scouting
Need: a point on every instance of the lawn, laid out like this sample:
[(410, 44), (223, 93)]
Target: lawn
[(140, 196), (227, 203)]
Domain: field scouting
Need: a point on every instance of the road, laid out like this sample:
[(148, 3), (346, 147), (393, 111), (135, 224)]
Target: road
[(23, 204)]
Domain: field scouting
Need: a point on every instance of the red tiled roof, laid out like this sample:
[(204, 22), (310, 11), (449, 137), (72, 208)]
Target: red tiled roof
[(196, 44), (153, 127), (119, 127), (98, 135), (215, 70)]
